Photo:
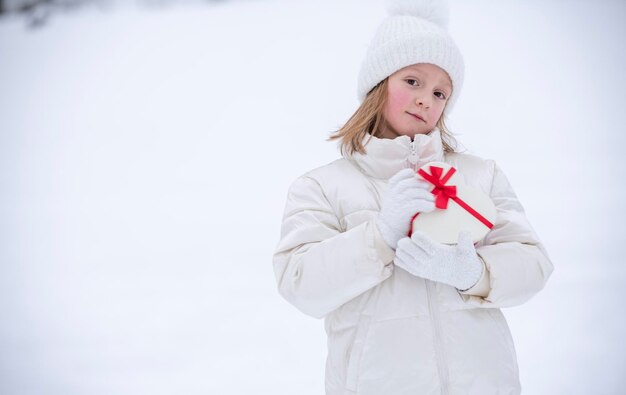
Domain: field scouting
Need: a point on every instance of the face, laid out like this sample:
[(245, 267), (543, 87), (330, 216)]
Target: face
[(416, 97)]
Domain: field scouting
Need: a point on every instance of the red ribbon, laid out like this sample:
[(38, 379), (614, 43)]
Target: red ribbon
[(444, 192)]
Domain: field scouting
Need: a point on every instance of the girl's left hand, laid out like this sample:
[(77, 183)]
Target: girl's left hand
[(456, 265)]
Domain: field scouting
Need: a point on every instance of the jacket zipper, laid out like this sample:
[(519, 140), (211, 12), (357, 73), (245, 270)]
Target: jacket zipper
[(442, 366), (413, 156)]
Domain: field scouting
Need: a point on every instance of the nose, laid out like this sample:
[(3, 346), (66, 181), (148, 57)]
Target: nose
[(420, 101)]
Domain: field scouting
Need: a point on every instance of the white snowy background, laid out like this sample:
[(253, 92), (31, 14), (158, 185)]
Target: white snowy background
[(146, 152)]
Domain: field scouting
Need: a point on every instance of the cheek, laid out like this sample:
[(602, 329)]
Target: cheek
[(397, 102), (437, 110)]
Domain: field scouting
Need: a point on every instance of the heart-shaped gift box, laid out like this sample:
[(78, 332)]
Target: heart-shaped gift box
[(458, 206)]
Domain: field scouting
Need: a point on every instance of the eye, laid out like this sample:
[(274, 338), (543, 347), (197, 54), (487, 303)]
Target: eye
[(443, 95), (412, 80)]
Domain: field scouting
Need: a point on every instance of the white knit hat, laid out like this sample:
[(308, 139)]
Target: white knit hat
[(414, 32)]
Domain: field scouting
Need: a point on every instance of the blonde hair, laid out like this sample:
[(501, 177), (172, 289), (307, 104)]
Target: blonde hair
[(368, 118)]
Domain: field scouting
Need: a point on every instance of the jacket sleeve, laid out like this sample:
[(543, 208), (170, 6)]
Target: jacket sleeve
[(517, 264), (317, 266)]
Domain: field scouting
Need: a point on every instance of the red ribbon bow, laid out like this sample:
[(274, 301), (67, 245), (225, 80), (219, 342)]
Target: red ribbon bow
[(442, 192)]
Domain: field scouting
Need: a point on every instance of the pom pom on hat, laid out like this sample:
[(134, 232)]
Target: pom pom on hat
[(431, 10), (414, 32)]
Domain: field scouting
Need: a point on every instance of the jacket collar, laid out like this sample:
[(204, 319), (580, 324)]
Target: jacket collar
[(385, 157)]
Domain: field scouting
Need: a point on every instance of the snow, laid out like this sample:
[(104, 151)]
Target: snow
[(145, 155)]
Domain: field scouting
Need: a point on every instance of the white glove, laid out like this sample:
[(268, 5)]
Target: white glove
[(456, 265), (407, 194)]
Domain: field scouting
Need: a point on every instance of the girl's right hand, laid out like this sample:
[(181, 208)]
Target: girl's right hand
[(407, 194)]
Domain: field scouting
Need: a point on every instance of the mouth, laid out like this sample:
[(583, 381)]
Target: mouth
[(417, 117)]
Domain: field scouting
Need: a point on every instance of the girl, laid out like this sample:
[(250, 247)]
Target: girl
[(406, 315)]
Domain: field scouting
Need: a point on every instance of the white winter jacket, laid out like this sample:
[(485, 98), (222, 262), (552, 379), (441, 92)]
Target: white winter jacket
[(389, 332)]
